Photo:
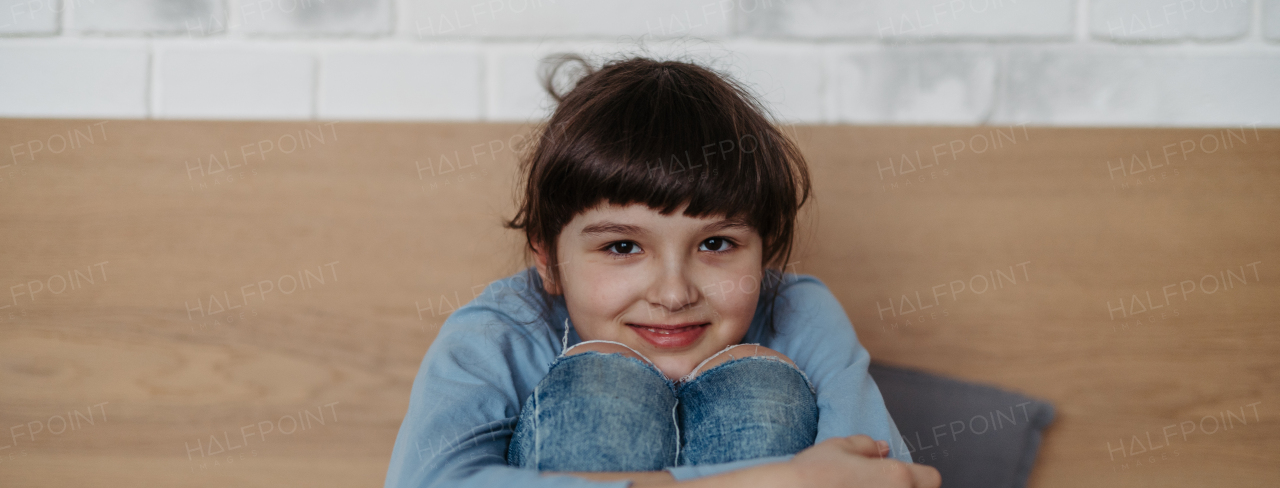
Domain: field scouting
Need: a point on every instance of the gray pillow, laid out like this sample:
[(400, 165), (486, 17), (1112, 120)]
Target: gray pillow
[(974, 435)]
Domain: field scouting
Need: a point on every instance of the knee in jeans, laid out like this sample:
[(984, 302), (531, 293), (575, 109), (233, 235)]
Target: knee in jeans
[(739, 351), (603, 347)]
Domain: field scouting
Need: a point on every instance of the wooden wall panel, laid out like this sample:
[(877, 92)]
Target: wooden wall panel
[(402, 222)]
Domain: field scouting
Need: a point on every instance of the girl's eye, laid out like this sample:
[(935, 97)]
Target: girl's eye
[(716, 245), (623, 247)]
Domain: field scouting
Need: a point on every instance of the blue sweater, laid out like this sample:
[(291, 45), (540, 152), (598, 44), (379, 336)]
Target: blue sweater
[(491, 353)]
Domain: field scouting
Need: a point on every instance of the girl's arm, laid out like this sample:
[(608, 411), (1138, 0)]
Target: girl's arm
[(815, 332), (841, 462), (464, 406)]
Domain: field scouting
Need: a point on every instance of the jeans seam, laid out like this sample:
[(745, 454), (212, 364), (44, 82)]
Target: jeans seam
[(648, 366), (537, 437), (689, 377), (562, 353), (675, 420), (763, 357)]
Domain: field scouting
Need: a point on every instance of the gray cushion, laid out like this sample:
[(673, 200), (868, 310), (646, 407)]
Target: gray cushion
[(975, 435)]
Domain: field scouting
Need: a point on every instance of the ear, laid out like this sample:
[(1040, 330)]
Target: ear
[(540, 258)]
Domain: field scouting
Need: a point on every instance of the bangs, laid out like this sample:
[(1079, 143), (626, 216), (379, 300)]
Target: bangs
[(671, 135), (675, 155)]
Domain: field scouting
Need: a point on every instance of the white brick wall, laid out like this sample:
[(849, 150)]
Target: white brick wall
[(1170, 20), (1271, 19), (1081, 87), (508, 19), (909, 19), (311, 17), (232, 81), (400, 83), (19, 17), (906, 85), (141, 17), (965, 62), (55, 78)]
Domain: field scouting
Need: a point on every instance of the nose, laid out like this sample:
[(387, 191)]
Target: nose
[(671, 288)]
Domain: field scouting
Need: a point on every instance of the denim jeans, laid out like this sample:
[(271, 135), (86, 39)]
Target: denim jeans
[(610, 412)]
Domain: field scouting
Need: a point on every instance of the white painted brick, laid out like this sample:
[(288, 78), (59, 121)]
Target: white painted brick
[(27, 17), (436, 19), (914, 85), (190, 17), (57, 78), (1271, 19), (1139, 87), (233, 82), (1156, 20), (515, 91), (307, 17), (908, 19), (400, 83), (787, 79)]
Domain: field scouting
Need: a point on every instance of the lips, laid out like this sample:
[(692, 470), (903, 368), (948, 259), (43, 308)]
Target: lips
[(670, 335)]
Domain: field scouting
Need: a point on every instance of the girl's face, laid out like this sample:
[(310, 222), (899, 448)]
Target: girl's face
[(675, 288)]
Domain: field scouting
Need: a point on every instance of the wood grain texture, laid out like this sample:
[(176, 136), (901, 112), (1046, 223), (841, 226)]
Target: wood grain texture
[(400, 240)]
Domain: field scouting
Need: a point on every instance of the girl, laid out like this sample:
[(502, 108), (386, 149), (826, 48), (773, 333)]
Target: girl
[(656, 340)]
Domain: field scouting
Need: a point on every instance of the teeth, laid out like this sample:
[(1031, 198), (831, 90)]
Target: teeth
[(671, 331)]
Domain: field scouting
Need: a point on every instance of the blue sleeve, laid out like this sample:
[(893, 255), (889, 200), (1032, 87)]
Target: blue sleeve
[(463, 410), (815, 332)]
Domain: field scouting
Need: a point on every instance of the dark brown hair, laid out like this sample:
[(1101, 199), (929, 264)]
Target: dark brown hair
[(660, 133)]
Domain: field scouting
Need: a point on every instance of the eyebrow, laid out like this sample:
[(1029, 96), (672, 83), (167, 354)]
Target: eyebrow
[(610, 227), (726, 224)]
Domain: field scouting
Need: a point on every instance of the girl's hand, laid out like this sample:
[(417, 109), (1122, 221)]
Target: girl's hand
[(858, 462)]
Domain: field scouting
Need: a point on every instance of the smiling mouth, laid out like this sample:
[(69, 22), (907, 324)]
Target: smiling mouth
[(668, 330)]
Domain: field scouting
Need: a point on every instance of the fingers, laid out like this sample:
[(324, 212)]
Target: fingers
[(865, 446), (924, 476)]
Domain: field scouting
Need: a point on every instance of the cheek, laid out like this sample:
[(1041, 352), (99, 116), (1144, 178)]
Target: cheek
[(735, 297), (604, 292)]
